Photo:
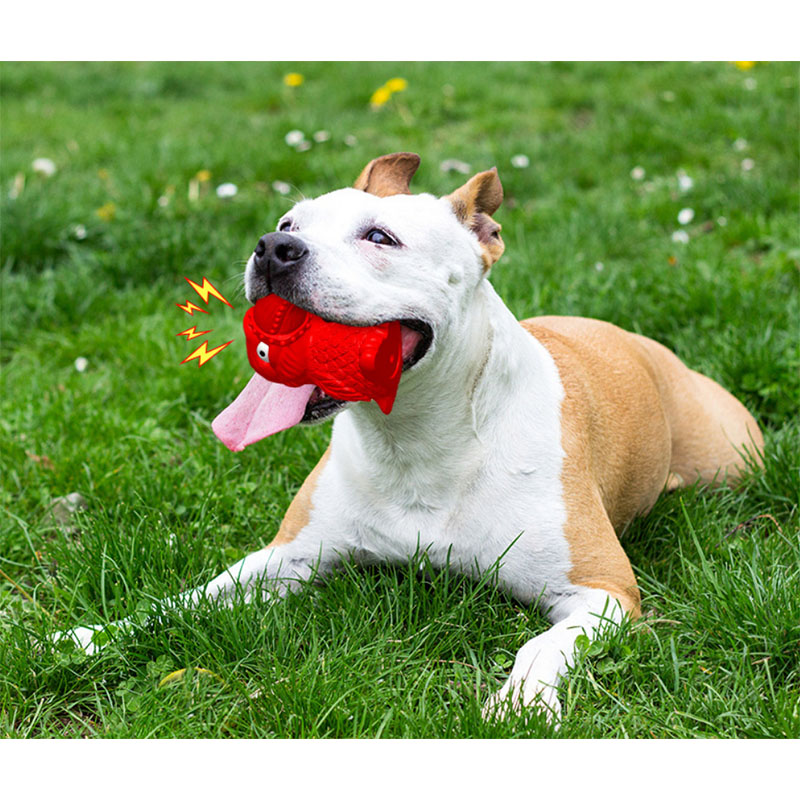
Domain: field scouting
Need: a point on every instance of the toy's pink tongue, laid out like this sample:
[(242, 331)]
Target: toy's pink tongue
[(262, 408)]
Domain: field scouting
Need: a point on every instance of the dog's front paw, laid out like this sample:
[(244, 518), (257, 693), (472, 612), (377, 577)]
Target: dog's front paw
[(517, 695), (90, 639)]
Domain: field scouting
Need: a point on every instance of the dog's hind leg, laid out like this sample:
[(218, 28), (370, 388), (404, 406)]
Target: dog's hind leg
[(714, 437)]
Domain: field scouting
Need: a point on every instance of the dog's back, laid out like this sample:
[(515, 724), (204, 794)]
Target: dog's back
[(633, 396)]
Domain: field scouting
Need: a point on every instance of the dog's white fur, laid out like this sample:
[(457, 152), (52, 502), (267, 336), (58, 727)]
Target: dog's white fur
[(468, 467)]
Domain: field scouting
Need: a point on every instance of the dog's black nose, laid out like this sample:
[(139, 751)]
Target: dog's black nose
[(277, 254)]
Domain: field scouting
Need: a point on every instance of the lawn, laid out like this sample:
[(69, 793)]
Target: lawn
[(598, 162)]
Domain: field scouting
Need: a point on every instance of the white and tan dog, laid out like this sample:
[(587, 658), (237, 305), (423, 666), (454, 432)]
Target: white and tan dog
[(517, 446)]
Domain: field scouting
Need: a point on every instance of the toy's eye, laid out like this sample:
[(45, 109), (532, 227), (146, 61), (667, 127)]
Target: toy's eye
[(263, 352), (377, 236), (285, 225)]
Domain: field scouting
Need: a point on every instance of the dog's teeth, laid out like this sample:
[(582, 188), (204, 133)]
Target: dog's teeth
[(317, 395)]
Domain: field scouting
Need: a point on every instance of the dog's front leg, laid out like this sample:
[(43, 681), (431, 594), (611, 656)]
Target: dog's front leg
[(272, 571), (300, 551), (544, 660)]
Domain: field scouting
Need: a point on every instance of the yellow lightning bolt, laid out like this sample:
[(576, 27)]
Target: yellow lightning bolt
[(203, 354), (192, 333), (206, 289), (190, 308)]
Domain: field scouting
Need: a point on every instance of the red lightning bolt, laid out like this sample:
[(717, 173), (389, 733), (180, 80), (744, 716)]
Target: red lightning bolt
[(190, 308), (192, 333), (203, 354), (206, 289)]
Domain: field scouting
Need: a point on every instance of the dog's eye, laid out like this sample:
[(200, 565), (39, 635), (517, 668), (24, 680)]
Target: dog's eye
[(377, 236), (285, 225)]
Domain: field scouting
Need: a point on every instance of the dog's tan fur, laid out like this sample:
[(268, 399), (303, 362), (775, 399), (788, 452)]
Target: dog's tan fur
[(388, 175), (473, 204), (633, 417), (299, 511)]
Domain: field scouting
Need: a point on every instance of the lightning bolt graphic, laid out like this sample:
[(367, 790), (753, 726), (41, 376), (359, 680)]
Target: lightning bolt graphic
[(192, 333), (190, 308), (206, 289), (203, 354)]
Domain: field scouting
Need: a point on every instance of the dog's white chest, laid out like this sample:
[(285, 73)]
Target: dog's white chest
[(490, 491)]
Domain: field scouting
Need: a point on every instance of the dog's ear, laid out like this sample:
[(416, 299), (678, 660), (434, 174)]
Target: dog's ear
[(473, 204), (388, 175)]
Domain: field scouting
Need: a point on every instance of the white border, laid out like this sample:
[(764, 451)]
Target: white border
[(293, 30), (400, 769)]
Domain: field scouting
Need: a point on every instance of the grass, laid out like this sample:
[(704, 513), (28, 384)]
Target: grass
[(391, 652)]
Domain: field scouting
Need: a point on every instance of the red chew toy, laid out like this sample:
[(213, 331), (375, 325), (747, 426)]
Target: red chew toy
[(288, 345)]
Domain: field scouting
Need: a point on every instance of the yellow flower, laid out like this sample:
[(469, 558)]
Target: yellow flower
[(180, 674), (107, 212), (102, 173), (745, 65), (293, 79), (396, 85), (379, 97), (203, 176)]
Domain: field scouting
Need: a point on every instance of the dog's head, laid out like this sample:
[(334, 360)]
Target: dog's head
[(376, 253)]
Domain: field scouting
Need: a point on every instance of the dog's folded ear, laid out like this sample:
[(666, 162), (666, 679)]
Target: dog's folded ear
[(388, 175), (473, 204)]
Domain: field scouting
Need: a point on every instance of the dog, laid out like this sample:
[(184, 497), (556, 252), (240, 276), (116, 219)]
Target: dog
[(519, 447)]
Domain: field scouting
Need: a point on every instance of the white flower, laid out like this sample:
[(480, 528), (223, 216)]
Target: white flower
[(520, 161), (740, 144), (225, 190), (722, 221), (163, 201), (599, 266), (454, 165), (81, 363), (638, 173), (322, 136), (303, 146), (680, 236), (44, 166), (684, 181), (750, 84), (748, 164), (293, 138), (281, 187), (350, 140), (79, 231), (685, 216)]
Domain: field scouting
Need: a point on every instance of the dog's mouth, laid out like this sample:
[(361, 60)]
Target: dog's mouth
[(417, 337), (264, 407)]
